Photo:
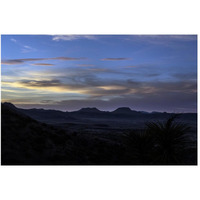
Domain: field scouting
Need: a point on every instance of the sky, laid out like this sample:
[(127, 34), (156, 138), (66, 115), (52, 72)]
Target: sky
[(69, 72)]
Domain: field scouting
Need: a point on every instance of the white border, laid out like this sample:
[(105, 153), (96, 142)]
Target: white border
[(99, 17)]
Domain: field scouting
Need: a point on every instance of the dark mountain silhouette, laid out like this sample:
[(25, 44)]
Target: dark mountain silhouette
[(89, 110), (9, 105), (26, 141), (118, 118), (88, 139), (48, 115), (89, 113), (125, 111), (122, 110), (144, 112)]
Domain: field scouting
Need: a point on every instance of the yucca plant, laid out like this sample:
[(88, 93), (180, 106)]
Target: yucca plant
[(170, 141), (139, 147), (160, 143)]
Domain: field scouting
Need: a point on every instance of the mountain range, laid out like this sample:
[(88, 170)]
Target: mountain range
[(88, 136), (123, 113)]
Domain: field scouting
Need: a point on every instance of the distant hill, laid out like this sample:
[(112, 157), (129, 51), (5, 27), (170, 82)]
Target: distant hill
[(48, 116), (8, 105), (125, 113), (89, 110), (125, 110), (122, 110)]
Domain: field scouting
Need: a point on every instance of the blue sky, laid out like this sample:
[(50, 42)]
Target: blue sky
[(68, 72)]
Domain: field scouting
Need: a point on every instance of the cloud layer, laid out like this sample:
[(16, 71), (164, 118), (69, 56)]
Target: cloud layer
[(21, 61), (80, 88), (166, 40), (73, 37)]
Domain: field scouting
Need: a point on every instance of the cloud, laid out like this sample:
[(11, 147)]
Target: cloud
[(90, 84), (47, 101), (53, 85), (166, 40), (42, 83), (100, 70), (25, 48), (12, 62), (183, 37), (13, 40), (42, 64), (114, 59), (131, 66), (73, 37), (31, 59), (170, 102), (66, 58), (19, 61), (169, 37), (22, 61), (108, 94), (183, 76), (150, 38), (85, 65)]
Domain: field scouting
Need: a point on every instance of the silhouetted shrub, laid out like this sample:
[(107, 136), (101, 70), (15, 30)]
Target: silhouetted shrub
[(160, 143)]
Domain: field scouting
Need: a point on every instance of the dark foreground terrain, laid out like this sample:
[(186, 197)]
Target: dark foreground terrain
[(93, 137)]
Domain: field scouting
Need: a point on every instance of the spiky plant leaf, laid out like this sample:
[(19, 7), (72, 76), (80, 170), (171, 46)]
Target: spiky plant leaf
[(170, 140)]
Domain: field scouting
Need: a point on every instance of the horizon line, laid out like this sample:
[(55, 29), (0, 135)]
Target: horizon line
[(98, 109)]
